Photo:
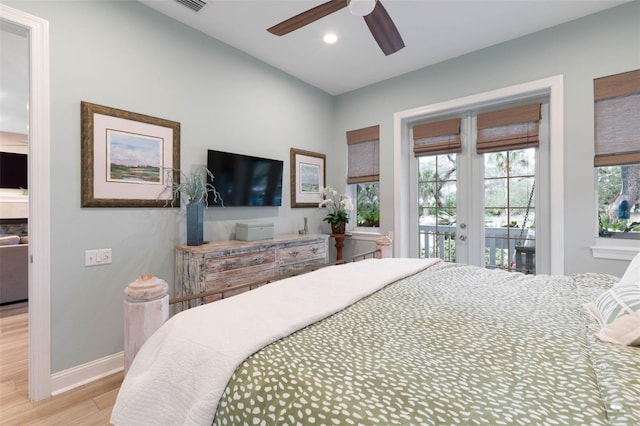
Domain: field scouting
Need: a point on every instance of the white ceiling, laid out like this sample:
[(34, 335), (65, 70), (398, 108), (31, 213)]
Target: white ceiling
[(433, 31)]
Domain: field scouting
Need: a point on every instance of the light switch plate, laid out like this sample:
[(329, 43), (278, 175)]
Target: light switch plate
[(97, 257)]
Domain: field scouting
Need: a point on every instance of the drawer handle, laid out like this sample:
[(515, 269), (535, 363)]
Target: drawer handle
[(258, 260), (315, 250), (293, 253)]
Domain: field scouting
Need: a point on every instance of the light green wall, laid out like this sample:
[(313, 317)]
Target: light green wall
[(127, 56), (124, 55), (595, 46)]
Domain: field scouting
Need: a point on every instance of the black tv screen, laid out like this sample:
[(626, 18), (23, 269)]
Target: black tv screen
[(243, 180), (13, 170)]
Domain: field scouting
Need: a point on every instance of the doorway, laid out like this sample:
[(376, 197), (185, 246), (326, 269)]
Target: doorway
[(497, 227), (39, 200), (406, 190)]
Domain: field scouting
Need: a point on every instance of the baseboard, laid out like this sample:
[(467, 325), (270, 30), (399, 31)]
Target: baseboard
[(63, 381)]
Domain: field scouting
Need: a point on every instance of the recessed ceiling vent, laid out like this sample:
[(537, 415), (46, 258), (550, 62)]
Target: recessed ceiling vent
[(194, 5)]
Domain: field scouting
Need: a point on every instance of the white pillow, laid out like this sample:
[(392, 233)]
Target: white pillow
[(618, 309)]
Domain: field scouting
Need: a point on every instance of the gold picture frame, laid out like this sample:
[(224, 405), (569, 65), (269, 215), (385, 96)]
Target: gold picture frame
[(125, 158), (308, 170)]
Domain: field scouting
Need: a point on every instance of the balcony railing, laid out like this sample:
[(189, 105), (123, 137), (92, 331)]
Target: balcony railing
[(504, 249)]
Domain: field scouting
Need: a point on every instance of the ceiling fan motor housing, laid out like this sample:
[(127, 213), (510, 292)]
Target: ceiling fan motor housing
[(361, 7)]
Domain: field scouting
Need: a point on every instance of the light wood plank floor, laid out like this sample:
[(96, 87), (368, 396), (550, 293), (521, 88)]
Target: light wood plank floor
[(86, 405)]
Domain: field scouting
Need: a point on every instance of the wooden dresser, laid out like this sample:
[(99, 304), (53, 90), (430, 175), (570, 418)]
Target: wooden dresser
[(223, 265)]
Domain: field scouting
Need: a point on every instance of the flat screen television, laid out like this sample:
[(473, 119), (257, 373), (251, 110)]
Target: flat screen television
[(243, 180), (13, 170)]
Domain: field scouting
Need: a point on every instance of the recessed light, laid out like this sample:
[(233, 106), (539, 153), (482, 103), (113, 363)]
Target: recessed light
[(330, 38)]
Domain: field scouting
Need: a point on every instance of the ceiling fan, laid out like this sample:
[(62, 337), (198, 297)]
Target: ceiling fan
[(382, 28)]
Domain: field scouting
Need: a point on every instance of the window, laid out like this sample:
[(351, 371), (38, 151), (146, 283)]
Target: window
[(617, 154), (363, 175), (508, 139), (437, 189), (367, 205), (618, 214), (509, 210), (436, 146)]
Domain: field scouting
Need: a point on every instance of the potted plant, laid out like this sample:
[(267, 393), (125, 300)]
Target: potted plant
[(193, 188), (339, 206)]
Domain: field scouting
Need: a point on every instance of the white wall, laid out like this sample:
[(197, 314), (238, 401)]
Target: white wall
[(127, 56), (598, 45)]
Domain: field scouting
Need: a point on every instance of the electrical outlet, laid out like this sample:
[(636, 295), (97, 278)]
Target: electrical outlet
[(106, 256), (97, 257)]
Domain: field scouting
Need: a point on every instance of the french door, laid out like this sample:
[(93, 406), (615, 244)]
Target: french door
[(483, 208)]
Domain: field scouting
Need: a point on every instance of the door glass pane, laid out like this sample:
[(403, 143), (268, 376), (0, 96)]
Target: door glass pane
[(495, 165), (495, 192), (520, 191), (510, 210), (437, 189)]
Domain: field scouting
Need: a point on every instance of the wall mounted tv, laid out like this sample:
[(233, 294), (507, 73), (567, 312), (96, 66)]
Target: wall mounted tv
[(13, 170), (243, 180)]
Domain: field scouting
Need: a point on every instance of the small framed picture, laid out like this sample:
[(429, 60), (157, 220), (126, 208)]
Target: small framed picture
[(307, 176)]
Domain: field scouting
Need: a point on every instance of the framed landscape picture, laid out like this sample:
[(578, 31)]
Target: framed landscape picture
[(127, 158), (307, 176)]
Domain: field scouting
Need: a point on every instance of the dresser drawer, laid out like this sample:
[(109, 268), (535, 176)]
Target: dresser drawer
[(239, 261), (298, 266), (221, 281), (302, 253), (227, 279)]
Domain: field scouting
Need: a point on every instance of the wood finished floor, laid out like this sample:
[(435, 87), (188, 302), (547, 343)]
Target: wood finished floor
[(86, 405)]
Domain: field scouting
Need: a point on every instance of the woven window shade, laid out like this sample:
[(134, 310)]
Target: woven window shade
[(440, 137), (617, 119), (363, 155), (507, 129)]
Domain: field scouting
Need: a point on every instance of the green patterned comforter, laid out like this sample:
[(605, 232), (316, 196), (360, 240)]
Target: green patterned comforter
[(453, 345)]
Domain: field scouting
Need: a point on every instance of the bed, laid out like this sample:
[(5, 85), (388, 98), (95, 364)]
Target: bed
[(398, 341)]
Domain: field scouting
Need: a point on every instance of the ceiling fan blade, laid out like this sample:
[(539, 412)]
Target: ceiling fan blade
[(384, 30), (305, 18)]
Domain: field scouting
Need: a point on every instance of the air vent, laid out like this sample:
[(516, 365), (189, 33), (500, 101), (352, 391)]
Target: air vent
[(194, 5)]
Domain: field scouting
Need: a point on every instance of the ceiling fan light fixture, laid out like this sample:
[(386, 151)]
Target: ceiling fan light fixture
[(330, 38), (361, 7)]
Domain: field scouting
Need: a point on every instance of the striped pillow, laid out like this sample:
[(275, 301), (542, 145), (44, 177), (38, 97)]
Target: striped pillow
[(618, 309)]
